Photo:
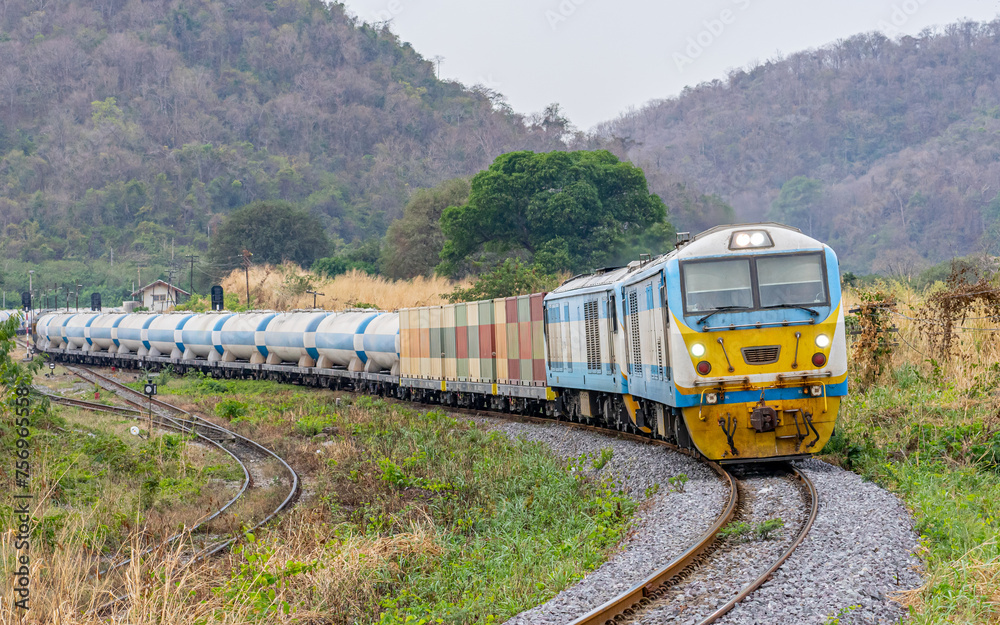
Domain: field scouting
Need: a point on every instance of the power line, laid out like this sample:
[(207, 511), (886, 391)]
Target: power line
[(945, 324), (192, 258)]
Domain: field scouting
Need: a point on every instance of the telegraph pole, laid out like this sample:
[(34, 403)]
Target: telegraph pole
[(192, 258), (170, 285), (246, 270)]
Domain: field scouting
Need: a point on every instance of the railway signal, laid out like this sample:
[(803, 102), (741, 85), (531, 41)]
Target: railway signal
[(149, 389), (217, 298)]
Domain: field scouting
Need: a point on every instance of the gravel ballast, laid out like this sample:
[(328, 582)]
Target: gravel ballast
[(666, 525), (859, 553), (765, 495)]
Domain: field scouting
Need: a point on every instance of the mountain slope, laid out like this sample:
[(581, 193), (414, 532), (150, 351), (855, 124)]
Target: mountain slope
[(901, 135), (135, 125)]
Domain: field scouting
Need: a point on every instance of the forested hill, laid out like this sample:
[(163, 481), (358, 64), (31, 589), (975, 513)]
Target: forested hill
[(135, 125), (888, 149)]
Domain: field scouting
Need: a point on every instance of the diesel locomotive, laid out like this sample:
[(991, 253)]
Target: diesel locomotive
[(732, 345)]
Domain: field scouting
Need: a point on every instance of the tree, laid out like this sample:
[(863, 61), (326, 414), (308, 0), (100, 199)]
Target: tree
[(991, 225), (273, 231), (413, 244), (363, 257), (567, 211), (797, 202), (511, 278)]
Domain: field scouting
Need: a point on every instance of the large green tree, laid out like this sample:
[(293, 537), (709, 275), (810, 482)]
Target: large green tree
[(273, 231), (567, 211), (797, 202)]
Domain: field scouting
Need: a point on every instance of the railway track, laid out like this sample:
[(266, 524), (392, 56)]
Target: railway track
[(672, 591), (630, 606), (89, 405), (652, 593), (244, 451)]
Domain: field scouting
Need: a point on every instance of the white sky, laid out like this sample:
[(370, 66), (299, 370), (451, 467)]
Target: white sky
[(597, 58)]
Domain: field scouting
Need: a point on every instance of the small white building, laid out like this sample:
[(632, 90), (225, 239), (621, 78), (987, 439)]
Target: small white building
[(160, 296)]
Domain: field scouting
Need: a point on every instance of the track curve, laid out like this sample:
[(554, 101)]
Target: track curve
[(172, 417), (632, 604)]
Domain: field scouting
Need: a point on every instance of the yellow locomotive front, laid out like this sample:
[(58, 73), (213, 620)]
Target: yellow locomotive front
[(758, 342)]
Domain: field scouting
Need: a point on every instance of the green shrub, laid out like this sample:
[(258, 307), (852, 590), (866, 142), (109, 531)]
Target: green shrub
[(231, 409), (311, 425)]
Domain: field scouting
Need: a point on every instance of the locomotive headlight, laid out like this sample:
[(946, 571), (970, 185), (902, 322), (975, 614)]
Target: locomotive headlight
[(816, 390), (697, 350), (711, 398), (750, 239), (822, 341)]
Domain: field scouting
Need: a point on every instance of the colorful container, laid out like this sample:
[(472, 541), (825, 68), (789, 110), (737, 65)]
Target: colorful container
[(520, 340)]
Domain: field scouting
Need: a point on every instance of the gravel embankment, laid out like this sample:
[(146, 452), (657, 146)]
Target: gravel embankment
[(765, 496), (857, 555), (665, 526)]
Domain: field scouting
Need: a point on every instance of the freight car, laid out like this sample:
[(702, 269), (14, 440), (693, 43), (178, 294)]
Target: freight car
[(732, 345)]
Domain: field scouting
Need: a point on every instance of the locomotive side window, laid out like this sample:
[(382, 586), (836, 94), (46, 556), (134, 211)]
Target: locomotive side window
[(791, 280), (718, 284)]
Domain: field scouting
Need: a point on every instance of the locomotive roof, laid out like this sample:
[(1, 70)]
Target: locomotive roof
[(712, 242)]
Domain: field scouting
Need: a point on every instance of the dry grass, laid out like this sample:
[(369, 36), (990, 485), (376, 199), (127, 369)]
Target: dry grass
[(349, 573), (975, 351), (283, 288)]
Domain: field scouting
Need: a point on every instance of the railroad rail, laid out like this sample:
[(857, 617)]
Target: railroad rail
[(89, 405), (171, 417), (641, 595), (635, 599), (647, 594)]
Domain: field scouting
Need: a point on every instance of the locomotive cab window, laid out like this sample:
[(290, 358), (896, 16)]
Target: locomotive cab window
[(796, 280), (717, 284), (754, 283)]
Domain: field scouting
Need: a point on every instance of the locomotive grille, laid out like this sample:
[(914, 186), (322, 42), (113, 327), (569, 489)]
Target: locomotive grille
[(591, 318), (633, 310), (761, 355)]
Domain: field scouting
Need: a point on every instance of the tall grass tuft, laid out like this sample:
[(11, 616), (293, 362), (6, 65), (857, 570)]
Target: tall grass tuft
[(284, 287)]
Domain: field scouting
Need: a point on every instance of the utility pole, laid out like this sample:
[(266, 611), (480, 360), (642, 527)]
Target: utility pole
[(31, 309), (314, 294), (170, 288), (246, 270), (78, 287), (192, 258)]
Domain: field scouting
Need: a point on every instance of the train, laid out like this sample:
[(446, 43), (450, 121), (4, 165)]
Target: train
[(731, 345)]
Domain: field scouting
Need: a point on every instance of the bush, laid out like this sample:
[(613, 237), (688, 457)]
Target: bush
[(511, 278), (231, 409)]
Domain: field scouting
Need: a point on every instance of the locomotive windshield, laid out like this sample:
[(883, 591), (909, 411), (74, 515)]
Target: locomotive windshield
[(718, 284), (754, 282), (791, 280)]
